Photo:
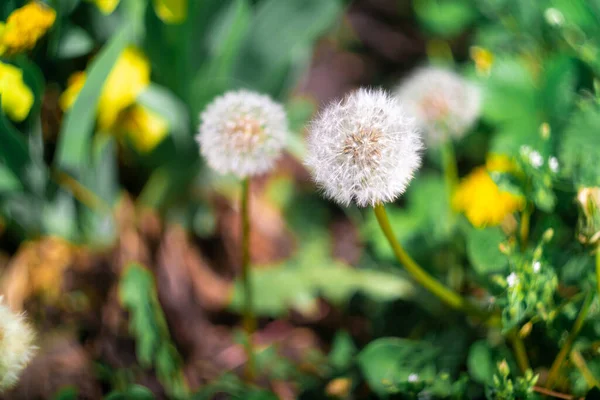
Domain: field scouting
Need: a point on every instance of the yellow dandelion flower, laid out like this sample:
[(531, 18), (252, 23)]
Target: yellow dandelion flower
[(482, 201), (16, 97), (128, 78), (144, 128), (74, 85), (25, 26), (499, 163), (106, 6)]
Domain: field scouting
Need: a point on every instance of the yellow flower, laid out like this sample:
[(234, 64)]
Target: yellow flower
[(482, 201), (171, 11), (16, 97), (106, 6), (74, 85), (144, 128), (483, 58), (500, 163), (128, 78), (25, 26)]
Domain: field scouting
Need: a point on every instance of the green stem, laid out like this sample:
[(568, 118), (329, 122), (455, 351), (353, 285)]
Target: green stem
[(450, 168), (520, 351), (581, 365), (524, 228), (249, 321), (566, 349), (445, 294), (598, 269)]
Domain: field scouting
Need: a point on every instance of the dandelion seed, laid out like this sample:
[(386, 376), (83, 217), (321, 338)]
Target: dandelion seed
[(242, 133), (16, 346), (512, 280), (445, 105), (553, 164), (413, 377), (363, 149), (537, 266)]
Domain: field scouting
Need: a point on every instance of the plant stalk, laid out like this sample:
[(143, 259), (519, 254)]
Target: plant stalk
[(520, 351), (249, 319), (566, 349), (450, 168), (445, 294), (524, 227), (598, 269)]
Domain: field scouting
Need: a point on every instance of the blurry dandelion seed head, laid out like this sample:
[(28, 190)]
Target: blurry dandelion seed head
[(242, 133), (16, 346), (445, 104), (363, 149)]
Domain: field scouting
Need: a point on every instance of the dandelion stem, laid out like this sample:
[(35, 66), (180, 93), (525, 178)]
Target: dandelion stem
[(598, 269), (445, 294), (520, 351), (249, 320), (566, 349), (581, 365), (524, 228), (450, 168)]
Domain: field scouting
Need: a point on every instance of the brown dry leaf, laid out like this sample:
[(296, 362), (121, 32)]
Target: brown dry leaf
[(270, 240), (37, 269), (61, 361)]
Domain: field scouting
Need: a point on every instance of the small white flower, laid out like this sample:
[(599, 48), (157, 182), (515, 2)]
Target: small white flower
[(536, 159), (363, 149), (242, 133), (553, 164), (16, 346), (445, 104), (554, 17), (512, 279), (537, 266), (413, 377)]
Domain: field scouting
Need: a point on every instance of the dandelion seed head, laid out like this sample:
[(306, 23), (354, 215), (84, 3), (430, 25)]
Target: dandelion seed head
[(363, 149), (413, 377), (16, 346), (445, 104), (537, 266), (242, 133), (512, 280)]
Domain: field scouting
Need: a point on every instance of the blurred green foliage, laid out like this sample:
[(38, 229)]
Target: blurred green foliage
[(538, 65)]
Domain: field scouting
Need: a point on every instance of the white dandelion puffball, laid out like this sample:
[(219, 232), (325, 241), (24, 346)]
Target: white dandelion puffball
[(445, 104), (243, 133), (16, 346), (363, 149)]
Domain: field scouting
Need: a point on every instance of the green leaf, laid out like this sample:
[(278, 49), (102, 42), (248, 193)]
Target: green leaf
[(74, 144), (579, 151), (13, 151), (388, 362), (445, 18), (483, 250), (298, 282), (75, 42), (342, 351), (8, 181), (224, 41), (137, 291), (263, 62), (481, 363)]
